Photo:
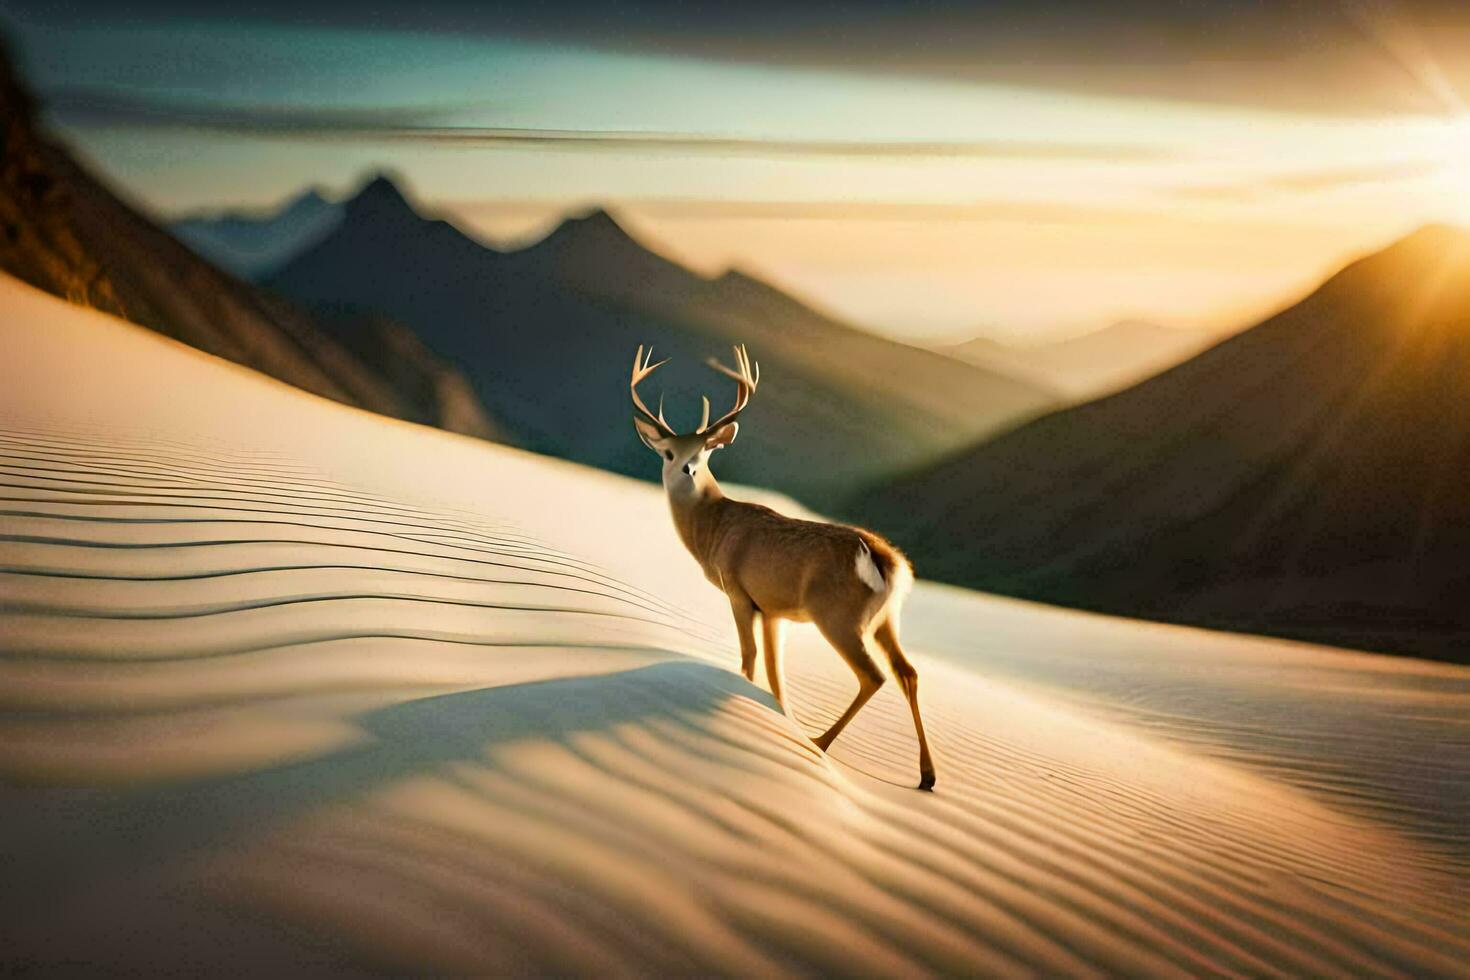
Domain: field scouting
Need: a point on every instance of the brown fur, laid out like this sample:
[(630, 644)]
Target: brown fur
[(785, 565)]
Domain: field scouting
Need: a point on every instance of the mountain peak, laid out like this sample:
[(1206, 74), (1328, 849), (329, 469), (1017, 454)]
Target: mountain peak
[(379, 195), (1440, 252), (1439, 232), (1437, 240), (309, 201), (736, 276), (593, 217), (595, 222), (312, 195), (595, 230)]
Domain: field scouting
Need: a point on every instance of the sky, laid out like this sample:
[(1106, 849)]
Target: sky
[(933, 171)]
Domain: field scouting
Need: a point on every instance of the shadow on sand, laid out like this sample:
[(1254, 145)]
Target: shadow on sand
[(58, 840)]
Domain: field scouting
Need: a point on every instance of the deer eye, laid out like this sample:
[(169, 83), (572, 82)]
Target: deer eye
[(668, 455)]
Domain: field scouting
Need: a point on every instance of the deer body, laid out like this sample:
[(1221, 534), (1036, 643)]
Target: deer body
[(848, 581)]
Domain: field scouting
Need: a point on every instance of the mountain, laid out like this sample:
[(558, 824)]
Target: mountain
[(546, 336), (252, 243), (1093, 364), (63, 231), (1305, 478)]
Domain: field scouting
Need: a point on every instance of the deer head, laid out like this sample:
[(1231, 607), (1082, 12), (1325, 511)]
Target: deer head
[(684, 456)]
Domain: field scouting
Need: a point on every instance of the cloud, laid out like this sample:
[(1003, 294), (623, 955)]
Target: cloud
[(1043, 212), (89, 107), (1307, 181), (421, 124)]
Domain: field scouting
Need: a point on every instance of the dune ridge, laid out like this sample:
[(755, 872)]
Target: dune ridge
[(285, 685)]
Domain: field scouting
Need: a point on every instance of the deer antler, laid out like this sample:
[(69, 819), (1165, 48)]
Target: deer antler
[(642, 369), (746, 374)]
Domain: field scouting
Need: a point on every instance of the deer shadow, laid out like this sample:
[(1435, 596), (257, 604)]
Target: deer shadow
[(57, 841)]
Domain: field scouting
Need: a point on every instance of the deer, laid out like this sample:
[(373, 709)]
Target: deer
[(848, 581)]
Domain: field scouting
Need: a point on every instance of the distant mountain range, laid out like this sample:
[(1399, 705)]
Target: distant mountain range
[(66, 233), (252, 243), (1093, 364), (1305, 478), (546, 336)]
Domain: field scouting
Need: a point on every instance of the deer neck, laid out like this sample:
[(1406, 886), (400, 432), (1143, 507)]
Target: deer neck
[(695, 510)]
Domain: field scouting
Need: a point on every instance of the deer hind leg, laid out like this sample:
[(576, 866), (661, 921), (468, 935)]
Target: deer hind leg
[(886, 636), (771, 629), (848, 640)]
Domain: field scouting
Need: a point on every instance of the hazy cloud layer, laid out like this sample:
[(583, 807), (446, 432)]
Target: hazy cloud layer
[(1309, 181), (705, 208), (419, 124)]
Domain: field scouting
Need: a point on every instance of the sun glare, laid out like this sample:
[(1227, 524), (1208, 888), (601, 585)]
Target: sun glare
[(1454, 152)]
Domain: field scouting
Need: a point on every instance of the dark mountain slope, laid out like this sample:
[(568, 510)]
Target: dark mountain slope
[(546, 335), (1305, 478)]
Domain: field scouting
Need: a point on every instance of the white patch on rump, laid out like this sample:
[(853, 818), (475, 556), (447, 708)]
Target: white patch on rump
[(867, 569)]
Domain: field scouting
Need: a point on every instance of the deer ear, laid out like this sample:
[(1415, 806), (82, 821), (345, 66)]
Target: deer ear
[(722, 437), (649, 433)]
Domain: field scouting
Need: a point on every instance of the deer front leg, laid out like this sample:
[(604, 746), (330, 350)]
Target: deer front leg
[(744, 611), (771, 640)]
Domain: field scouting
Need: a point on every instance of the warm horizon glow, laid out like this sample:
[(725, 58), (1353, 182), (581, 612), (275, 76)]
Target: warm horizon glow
[(1456, 151)]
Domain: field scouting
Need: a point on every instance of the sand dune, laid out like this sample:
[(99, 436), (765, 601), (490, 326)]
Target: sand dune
[(286, 685)]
